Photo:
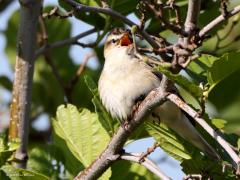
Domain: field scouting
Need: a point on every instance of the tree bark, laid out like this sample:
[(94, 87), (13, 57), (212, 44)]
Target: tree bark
[(23, 77)]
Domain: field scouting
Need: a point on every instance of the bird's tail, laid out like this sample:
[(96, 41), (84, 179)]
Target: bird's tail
[(173, 117)]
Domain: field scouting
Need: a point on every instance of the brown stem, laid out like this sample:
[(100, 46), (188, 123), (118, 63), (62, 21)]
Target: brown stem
[(23, 77)]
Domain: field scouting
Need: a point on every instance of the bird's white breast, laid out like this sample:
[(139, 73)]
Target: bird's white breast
[(123, 80)]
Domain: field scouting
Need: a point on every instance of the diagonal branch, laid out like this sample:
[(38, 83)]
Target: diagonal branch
[(80, 7), (180, 103), (147, 163), (217, 21), (114, 148), (64, 42)]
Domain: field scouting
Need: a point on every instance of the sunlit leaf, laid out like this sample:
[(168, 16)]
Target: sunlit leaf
[(169, 141), (222, 68), (19, 174), (183, 82), (82, 132), (219, 123)]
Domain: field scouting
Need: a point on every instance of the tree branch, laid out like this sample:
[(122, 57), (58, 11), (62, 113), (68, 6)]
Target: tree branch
[(114, 148), (147, 163), (64, 42), (80, 7), (192, 15), (23, 77), (217, 21), (180, 103)]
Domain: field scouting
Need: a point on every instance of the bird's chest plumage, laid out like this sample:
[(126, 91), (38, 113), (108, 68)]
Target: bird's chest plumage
[(123, 80)]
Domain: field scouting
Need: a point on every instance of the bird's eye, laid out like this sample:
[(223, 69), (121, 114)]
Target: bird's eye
[(114, 41)]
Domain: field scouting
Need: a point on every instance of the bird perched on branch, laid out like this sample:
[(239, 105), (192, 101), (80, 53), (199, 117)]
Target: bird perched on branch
[(126, 77)]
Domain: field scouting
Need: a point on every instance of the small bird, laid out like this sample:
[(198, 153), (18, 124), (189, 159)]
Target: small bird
[(126, 77)]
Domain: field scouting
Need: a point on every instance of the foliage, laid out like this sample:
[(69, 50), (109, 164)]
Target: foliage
[(81, 130)]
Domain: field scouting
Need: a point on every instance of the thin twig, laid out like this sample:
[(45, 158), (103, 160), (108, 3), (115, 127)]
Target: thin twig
[(225, 145), (167, 49), (69, 88), (64, 42), (217, 21), (151, 166), (80, 7), (55, 12), (193, 176), (159, 14), (224, 10), (148, 152), (48, 59)]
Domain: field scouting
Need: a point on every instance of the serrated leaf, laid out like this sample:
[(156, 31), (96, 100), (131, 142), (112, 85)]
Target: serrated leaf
[(19, 174), (189, 86), (41, 161), (198, 68), (169, 141), (225, 66), (82, 132), (71, 163), (91, 85)]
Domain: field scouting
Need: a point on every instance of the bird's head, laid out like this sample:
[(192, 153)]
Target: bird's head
[(117, 38)]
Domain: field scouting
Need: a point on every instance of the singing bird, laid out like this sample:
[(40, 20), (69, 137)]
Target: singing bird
[(126, 77)]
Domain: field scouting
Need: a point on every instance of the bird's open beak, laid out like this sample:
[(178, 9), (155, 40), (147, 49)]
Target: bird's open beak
[(125, 40)]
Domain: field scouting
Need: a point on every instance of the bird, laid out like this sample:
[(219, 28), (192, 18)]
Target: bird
[(126, 77)]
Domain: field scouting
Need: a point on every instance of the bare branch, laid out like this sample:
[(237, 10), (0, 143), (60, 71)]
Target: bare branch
[(69, 88), (64, 42), (23, 77), (114, 148), (159, 14), (148, 152), (80, 7), (224, 10), (180, 103), (147, 163), (193, 176), (56, 12), (217, 21), (192, 15)]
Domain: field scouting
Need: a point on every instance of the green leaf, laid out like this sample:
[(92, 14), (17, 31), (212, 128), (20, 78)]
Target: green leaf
[(130, 170), (169, 141), (105, 118), (6, 83), (219, 123), (183, 82), (207, 168), (41, 161), (71, 163), (82, 131), (198, 68), (7, 148), (19, 174), (222, 68)]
